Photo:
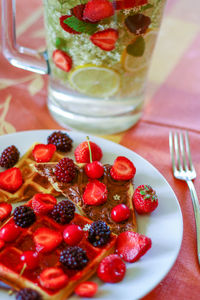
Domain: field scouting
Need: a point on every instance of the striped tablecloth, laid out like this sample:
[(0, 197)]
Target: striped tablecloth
[(173, 102)]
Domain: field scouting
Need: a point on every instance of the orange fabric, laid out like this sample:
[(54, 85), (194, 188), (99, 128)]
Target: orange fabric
[(173, 103)]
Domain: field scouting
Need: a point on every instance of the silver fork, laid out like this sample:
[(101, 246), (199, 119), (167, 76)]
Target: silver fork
[(183, 169)]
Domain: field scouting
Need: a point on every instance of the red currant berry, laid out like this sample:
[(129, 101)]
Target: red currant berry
[(31, 259), (9, 232), (94, 170), (73, 234), (120, 213)]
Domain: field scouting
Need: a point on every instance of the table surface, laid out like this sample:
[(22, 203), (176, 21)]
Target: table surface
[(173, 102)]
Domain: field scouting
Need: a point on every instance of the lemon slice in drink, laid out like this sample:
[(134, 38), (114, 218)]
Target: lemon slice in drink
[(95, 81), (133, 63)]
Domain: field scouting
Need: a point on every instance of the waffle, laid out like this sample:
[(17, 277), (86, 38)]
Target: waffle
[(118, 192), (10, 264), (33, 182)]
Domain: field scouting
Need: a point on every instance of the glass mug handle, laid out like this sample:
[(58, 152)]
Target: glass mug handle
[(18, 56)]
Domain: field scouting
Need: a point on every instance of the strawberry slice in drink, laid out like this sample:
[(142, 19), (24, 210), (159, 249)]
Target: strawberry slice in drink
[(97, 10), (65, 27), (105, 39), (62, 60), (128, 4)]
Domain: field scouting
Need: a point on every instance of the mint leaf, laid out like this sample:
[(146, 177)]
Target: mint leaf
[(145, 7), (81, 26), (137, 47)]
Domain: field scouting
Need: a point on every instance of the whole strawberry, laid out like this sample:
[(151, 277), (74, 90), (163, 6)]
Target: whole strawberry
[(145, 199)]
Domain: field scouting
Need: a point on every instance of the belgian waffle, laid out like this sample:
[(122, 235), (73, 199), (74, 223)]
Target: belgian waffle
[(118, 192), (33, 182), (10, 264)]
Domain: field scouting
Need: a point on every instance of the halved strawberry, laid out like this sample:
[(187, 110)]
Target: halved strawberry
[(11, 180), (86, 289), (77, 11), (62, 60), (105, 39), (130, 246), (53, 278), (127, 4), (2, 244), (43, 153), (122, 169), (96, 10), (65, 26), (95, 193), (43, 203), (46, 239), (82, 154), (5, 210)]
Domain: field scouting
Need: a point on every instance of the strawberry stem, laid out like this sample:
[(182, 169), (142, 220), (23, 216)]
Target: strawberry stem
[(90, 151)]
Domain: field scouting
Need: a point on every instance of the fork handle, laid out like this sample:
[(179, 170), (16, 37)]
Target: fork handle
[(196, 208)]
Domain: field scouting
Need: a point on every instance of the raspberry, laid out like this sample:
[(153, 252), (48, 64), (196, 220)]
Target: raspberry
[(74, 258), (63, 212), (61, 140), (99, 234), (24, 216), (9, 157), (28, 294), (65, 170)]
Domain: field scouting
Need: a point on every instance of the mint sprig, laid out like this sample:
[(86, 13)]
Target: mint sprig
[(137, 48), (81, 26)]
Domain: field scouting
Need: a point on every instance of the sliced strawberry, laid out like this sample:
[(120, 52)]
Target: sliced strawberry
[(53, 278), (77, 11), (82, 152), (122, 169), (65, 26), (62, 60), (43, 153), (11, 180), (43, 203), (86, 289), (9, 232), (130, 246), (105, 39), (46, 239), (96, 10), (5, 210), (127, 4), (95, 193)]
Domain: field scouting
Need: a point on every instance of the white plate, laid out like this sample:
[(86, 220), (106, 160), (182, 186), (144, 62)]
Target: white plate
[(164, 226)]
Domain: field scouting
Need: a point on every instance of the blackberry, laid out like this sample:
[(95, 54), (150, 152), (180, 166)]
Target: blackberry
[(63, 212), (65, 170), (9, 157), (61, 140), (74, 258), (24, 216), (28, 294), (99, 233)]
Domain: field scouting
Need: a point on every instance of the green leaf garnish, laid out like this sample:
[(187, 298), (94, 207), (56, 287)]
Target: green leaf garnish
[(137, 47), (81, 26), (145, 7), (143, 193)]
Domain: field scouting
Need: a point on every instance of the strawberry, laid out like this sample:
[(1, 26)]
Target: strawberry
[(53, 278), (65, 26), (95, 193), (105, 39), (31, 259), (130, 246), (72, 234), (82, 154), (96, 10), (120, 213), (86, 289), (145, 199), (2, 244), (94, 169), (11, 180), (46, 239), (122, 169), (77, 11), (128, 4), (111, 269), (62, 60), (43, 153), (43, 203), (9, 232), (5, 210)]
